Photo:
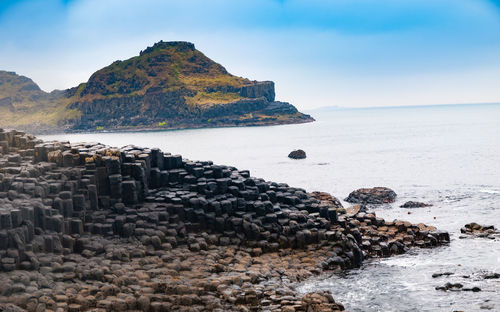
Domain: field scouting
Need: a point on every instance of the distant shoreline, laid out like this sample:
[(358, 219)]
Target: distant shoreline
[(158, 129)]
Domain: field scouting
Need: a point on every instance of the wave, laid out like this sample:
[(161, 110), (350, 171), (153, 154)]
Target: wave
[(489, 191)]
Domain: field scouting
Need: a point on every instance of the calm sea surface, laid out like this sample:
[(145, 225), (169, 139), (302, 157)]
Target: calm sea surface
[(448, 156)]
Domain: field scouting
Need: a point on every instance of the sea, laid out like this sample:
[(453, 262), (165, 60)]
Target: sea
[(446, 155)]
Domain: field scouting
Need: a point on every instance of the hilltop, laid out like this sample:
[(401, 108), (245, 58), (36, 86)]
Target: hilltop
[(168, 85), (23, 103)]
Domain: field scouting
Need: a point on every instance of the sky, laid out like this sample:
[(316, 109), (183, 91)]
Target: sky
[(348, 53)]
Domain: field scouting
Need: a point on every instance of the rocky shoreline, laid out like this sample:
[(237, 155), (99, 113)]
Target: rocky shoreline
[(87, 227), (47, 130)]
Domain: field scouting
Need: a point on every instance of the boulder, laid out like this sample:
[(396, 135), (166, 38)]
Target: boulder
[(297, 154), (414, 204), (478, 230), (375, 195)]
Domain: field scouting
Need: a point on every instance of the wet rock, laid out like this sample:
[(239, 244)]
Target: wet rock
[(414, 204), (297, 154), (483, 231), (376, 195), (435, 275), (319, 301), (473, 289), (450, 286), (491, 276)]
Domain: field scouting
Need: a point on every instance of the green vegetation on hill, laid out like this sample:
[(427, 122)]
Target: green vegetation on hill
[(22, 102), (169, 85), (165, 67)]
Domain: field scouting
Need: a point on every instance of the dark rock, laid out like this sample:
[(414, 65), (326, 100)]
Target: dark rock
[(414, 204), (376, 195), (441, 274), (297, 154), (477, 230), (492, 276), (450, 286), (473, 289)]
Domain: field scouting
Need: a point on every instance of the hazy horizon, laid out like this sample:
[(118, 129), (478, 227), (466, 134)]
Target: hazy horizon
[(354, 53), (334, 107)]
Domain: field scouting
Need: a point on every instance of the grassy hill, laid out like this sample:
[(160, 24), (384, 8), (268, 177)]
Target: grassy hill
[(23, 103), (165, 67), (168, 85)]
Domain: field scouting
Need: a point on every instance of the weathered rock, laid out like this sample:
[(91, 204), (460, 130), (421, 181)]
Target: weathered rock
[(435, 275), (414, 204), (376, 195), (297, 154), (477, 230), (492, 276), (450, 286)]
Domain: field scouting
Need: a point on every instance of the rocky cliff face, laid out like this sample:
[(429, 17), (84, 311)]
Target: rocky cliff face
[(259, 89), (169, 85)]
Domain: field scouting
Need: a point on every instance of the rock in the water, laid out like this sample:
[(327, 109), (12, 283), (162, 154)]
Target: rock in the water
[(492, 276), (414, 204), (375, 195), (474, 229), (450, 286), (435, 275), (297, 154)]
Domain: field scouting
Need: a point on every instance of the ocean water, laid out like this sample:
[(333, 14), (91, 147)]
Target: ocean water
[(448, 156)]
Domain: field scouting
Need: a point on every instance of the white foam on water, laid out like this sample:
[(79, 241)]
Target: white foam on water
[(490, 191)]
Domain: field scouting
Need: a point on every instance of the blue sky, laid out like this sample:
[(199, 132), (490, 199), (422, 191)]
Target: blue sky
[(340, 52)]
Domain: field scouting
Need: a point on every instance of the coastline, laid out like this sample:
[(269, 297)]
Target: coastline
[(58, 130), (240, 242)]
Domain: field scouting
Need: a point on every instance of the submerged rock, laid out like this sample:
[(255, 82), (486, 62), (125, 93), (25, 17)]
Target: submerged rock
[(414, 204), (492, 276), (477, 230), (435, 275), (375, 195), (450, 286), (297, 154)]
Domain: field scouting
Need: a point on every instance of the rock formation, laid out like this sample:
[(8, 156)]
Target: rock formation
[(169, 85), (414, 204), (297, 154), (375, 195), (89, 227), (477, 230)]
